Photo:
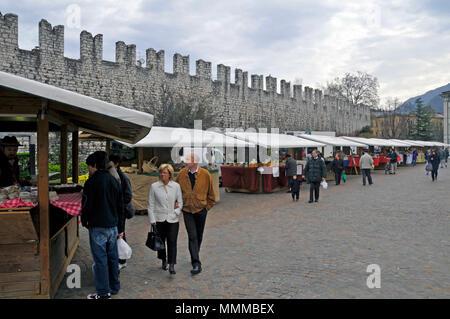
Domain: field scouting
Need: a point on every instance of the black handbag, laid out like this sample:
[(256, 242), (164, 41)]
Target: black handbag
[(154, 242)]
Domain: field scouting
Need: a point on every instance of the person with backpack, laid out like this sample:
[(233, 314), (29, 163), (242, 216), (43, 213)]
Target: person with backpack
[(127, 193), (103, 214)]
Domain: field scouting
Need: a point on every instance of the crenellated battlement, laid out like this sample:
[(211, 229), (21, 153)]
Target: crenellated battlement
[(127, 82)]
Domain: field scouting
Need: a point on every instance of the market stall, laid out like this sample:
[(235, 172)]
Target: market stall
[(39, 225), (351, 159), (164, 145), (264, 172)]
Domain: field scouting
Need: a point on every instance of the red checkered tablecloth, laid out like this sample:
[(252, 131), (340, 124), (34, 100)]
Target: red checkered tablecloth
[(71, 203), (17, 202)]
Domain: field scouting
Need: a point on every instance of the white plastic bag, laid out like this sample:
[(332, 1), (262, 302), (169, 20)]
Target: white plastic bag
[(124, 249), (324, 184)]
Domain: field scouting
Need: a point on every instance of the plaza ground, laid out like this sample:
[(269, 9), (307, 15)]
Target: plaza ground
[(266, 246)]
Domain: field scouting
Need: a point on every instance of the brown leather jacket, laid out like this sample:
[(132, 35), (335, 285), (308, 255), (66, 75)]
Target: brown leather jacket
[(202, 196)]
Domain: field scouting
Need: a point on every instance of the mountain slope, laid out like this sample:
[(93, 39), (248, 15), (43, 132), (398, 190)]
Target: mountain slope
[(431, 97)]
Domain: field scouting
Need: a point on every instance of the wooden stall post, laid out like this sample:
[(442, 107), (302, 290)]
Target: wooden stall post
[(44, 222), (108, 146), (140, 158), (63, 154), (75, 160)]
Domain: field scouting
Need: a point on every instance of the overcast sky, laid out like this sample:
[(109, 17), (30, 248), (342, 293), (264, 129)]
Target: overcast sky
[(404, 43)]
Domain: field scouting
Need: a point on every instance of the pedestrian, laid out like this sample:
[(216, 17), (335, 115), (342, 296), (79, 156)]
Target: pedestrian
[(294, 187), (442, 157), (337, 166), (316, 171), (165, 202), (414, 157), (127, 193), (434, 160), (446, 157), (393, 160), (427, 159), (291, 168), (103, 214), (366, 164), (198, 198), (9, 163)]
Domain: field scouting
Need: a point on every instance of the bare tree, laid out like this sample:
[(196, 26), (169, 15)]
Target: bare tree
[(174, 108), (394, 121), (359, 88)]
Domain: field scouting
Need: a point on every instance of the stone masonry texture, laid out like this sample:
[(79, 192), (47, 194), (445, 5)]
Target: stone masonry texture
[(126, 82)]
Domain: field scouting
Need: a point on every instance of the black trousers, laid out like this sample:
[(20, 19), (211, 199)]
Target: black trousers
[(337, 177), (195, 225), (169, 234), (434, 174), (366, 172), (295, 194), (314, 188)]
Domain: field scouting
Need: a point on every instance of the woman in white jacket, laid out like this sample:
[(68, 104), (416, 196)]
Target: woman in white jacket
[(164, 208)]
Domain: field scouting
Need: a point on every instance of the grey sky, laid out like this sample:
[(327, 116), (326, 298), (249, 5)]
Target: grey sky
[(405, 44)]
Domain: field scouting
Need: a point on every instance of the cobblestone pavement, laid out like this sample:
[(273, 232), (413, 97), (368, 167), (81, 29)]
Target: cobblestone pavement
[(266, 246)]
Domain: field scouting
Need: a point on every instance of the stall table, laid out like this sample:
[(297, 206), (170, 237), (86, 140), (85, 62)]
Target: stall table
[(249, 180)]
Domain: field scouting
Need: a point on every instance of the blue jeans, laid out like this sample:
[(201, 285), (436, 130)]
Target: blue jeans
[(103, 243)]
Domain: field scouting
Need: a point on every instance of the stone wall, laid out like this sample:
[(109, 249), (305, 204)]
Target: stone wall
[(126, 82)]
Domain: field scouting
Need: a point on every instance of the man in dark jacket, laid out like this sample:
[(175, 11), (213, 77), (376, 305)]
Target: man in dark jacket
[(9, 162), (291, 168), (127, 196), (434, 160), (393, 160), (316, 171), (427, 159), (337, 166), (103, 214)]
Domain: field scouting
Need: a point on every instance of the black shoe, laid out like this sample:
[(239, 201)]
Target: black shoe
[(172, 269), (316, 200), (296, 200), (164, 265), (310, 201), (196, 270)]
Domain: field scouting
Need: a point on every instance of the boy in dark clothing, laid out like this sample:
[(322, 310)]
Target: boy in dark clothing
[(294, 187), (103, 214)]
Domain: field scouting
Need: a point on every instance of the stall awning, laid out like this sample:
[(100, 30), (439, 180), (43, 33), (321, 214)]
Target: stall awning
[(23, 97), (183, 137), (273, 140), (374, 141), (332, 140)]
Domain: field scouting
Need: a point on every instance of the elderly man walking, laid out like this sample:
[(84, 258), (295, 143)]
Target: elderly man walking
[(316, 171), (198, 198), (366, 164)]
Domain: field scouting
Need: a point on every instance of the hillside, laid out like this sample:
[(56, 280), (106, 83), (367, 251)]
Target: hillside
[(431, 97)]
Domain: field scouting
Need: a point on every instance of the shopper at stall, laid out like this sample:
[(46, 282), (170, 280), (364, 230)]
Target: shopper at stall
[(442, 157), (446, 157), (414, 157), (337, 166), (164, 195), (434, 160), (103, 214), (366, 164), (393, 160), (198, 198), (291, 167), (427, 159), (316, 171), (9, 162), (294, 187), (127, 193)]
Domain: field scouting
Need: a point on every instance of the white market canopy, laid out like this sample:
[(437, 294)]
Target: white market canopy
[(375, 141), (273, 140), (160, 136), (20, 97), (426, 143), (333, 140)]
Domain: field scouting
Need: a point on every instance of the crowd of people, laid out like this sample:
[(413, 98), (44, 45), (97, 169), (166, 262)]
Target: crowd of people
[(106, 205)]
